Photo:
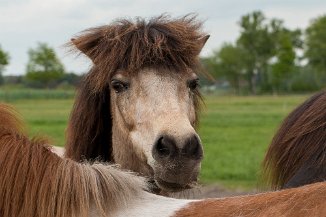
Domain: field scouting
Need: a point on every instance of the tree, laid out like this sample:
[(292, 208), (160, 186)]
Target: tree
[(44, 69), (257, 44), (282, 69), (285, 42), (4, 61), (228, 62), (315, 41), (265, 40)]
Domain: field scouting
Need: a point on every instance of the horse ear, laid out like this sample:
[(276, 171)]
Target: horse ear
[(88, 42), (202, 41)]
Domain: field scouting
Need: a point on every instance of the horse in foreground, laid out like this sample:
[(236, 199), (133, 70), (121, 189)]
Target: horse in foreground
[(297, 153), (37, 182), (138, 105)]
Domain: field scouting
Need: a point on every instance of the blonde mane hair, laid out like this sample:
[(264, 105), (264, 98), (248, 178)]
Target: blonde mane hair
[(36, 182)]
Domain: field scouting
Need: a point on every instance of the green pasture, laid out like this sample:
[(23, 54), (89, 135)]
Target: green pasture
[(235, 131)]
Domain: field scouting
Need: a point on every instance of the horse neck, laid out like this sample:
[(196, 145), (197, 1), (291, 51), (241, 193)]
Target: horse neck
[(304, 201), (148, 205)]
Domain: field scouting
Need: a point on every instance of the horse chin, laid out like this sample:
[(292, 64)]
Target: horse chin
[(175, 180), (171, 186)]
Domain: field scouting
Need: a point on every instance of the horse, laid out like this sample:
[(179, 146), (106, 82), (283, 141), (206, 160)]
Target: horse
[(37, 182), (297, 153), (138, 105)]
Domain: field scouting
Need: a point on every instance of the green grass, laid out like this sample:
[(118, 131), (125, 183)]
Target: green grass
[(46, 117), (235, 131)]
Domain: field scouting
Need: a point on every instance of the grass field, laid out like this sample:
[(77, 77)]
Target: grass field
[(235, 131)]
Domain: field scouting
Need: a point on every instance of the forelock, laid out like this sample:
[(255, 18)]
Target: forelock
[(135, 44)]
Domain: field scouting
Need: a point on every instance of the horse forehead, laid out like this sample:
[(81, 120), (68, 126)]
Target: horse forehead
[(151, 74), (159, 90), (165, 81)]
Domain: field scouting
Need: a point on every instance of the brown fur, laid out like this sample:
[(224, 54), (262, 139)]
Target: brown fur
[(36, 182), (300, 141), (129, 46), (309, 200)]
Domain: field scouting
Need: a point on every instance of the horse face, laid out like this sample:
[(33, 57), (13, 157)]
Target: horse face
[(153, 112)]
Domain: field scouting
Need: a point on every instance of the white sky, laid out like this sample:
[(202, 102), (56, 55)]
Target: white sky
[(23, 23)]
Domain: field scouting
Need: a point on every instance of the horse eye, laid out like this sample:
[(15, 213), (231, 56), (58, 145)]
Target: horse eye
[(193, 84), (119, 86)]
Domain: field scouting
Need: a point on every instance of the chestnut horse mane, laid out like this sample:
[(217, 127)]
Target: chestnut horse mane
[(128, 45), (36, 182), (299, 143)]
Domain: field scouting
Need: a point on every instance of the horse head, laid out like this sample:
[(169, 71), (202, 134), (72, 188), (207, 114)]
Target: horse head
[(138, 105)]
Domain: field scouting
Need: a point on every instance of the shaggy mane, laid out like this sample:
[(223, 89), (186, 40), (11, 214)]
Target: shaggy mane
[(299, 143), (36, 182), (132, 45)]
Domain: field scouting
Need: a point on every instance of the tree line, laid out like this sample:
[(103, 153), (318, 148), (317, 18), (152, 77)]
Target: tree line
[(267, 57), (43, 70)]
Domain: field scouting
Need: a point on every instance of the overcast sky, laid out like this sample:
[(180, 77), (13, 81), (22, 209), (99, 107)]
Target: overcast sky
[(23, 23)]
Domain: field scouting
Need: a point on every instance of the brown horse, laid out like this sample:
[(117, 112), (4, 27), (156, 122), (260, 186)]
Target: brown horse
[(138, 105), (297, 154), (36, 182)]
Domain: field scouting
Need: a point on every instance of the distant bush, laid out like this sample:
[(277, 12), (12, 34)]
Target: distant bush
[(12, 94), (305, 81), (67, 81), (70, 79)]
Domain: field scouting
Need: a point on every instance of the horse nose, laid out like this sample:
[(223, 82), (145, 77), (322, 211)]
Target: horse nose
[(166, 148), (193, 148)]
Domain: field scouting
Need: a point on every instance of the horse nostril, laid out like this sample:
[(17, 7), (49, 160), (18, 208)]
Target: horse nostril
[(193, 148), (164, 147)]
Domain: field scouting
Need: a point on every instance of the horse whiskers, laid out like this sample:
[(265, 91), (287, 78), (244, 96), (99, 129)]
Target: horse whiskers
[(153, 186)]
